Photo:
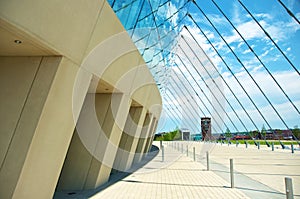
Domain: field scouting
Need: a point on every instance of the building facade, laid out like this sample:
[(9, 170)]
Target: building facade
[(77, 99)]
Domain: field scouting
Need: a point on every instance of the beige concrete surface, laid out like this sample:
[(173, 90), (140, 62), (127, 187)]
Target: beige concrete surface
[(263, 166), (139, 152), (66, 50), (177, 177)]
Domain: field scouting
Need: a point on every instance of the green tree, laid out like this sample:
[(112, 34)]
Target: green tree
[(296, 132), (263, 131), (227, 133), (167, 137), (175, 134)]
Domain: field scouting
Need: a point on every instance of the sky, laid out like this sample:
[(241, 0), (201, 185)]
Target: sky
[(284, 31), (194, 81)]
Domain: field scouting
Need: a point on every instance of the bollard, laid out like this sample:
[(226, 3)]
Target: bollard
[(258, 145), (246, 144), (289, 188), (292, 147), (194, 151), (187, 150), (272, 146), (237, 143), (160, 144), (207, 160), (181, 148), (162, 153), (231, 174)]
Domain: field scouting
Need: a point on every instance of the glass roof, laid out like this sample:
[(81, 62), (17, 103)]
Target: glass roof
[(234, 61)]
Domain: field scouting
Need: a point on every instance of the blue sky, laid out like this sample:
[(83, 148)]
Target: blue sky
[(182, 107), (284, 31)]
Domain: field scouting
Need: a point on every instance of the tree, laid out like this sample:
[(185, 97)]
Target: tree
[(227, 133), (296, 132), (263, 131), (174, 134), (169, 136), (254, 134)]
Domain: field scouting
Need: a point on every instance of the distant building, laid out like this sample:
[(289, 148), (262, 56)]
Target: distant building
[(279, 134), (206, 128), (196, 137), (185, 134)]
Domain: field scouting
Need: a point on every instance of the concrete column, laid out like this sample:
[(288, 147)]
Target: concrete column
[(153, 133), (80, 154), (107, 144), (143, 140), (93, 148), (39, 142), (151, 138), (130, 137)]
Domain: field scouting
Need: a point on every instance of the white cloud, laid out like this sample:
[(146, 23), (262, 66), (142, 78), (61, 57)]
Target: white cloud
[(280, 31), (262, 16), (265, 53), (288, 80), (236, 13), (246, 51), (170, 11), (251, 30)]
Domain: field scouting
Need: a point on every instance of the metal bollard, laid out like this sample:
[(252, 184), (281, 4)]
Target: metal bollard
[(289, 188), (162, 153), (246, 144), (292, 147), (207, 160), (187, 150), (194, 151), (231, 174), (272, 146), (160, 144), (237, 143), (258, 145)]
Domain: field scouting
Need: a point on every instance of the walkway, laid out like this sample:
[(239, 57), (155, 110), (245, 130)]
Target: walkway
[(260, 174), (177, 177)]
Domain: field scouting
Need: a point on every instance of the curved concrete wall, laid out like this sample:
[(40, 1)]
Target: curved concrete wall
[(77, 99)]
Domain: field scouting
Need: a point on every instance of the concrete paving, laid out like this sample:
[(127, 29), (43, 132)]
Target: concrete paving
[(258, 174), (177, 177)]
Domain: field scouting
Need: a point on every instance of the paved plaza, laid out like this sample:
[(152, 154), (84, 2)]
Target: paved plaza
[(258, 174)]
